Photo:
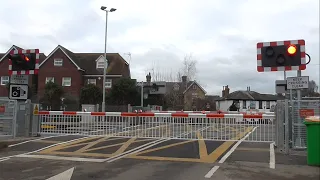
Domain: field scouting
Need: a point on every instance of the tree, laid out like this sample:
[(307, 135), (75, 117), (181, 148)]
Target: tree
[(312, 91), (189, 67), (52, 95), (90, 94), (123, 92), (173, 100)]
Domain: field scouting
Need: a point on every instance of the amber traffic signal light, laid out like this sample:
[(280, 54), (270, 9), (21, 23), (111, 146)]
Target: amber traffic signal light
[(23, 62)]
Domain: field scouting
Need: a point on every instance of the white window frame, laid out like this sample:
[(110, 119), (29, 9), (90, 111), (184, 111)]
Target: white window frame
[(92, 81), (5, 80), (66, 81), (49, 79), (108, 83), (100, 64), (57, 62)]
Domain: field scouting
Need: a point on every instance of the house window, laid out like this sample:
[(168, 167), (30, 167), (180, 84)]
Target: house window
[(66, 81), (244, 104), (194, 95), (252, 105), (194, 87), (57, 62), (92, 81), (108, 83), (4, 80), (260, 104), (100, 64), (176, 87), (268, 105), (48, 79)]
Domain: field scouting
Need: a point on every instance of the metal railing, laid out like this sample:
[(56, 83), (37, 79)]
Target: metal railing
[(221, 127)]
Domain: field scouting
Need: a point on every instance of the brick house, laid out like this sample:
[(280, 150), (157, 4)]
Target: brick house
[(4, 69), (247, 101), (186, 95), (74, 70)]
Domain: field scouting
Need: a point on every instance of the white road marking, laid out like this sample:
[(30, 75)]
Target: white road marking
[(141, 148), (66, 175), (272, 162), (45, 147), (12, 145), (4, 159), (215, 168), (61, 158), (132, 150)]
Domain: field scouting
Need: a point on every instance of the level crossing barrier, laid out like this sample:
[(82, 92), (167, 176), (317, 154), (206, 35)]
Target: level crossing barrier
[(210, 126)]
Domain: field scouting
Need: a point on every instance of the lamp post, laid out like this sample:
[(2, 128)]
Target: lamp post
[(103, 8)]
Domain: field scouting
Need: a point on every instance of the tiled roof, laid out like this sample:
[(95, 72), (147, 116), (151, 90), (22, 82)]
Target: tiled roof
[(251, 95), (87, 62), (41, 57), (116, 64)]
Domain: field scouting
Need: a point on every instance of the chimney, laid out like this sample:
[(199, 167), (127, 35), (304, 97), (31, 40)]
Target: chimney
[(249, 88), (227, 91), (148, 78), (223, 91), (184, 81)]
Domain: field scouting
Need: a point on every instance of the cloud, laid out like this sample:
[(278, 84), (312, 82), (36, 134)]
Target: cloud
[(221, 34)]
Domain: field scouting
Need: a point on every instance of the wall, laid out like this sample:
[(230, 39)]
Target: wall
[(189, 95), (68, 69), (224, 105)]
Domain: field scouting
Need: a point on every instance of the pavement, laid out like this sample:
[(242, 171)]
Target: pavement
[(80, 157)]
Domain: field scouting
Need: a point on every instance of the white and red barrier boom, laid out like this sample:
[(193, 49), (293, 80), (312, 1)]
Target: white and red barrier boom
[(160, 114)]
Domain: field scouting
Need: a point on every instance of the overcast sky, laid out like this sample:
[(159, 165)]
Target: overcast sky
[(221, 34)]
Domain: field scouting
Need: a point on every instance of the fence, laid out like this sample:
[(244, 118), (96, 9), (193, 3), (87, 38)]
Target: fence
[(8, 114), (223, 127), (290, 130)]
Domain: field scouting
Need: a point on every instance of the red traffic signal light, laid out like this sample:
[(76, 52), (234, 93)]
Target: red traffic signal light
[(292, 49)]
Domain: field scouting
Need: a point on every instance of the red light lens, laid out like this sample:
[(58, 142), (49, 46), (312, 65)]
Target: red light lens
[(292, 49)]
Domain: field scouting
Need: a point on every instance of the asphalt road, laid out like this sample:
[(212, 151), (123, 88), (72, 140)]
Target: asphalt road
[(136, 158)]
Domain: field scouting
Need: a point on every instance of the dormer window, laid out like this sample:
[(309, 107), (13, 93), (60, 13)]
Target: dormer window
[(57, 62), (100, 63)]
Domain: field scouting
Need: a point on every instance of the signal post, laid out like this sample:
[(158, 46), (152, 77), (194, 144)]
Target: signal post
[(22, 65), (289, 55)]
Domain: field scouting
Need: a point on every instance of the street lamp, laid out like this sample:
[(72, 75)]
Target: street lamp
[(103, 109)]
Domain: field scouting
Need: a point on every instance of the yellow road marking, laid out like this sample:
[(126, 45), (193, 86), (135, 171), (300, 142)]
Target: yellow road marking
[(212, 157), (252, 149), (125, 146), (164, 147), (76, 154), (113, 145), (202, 146), (75, 143), (48, 141), (90, 144), (167, 159), (61, 146)]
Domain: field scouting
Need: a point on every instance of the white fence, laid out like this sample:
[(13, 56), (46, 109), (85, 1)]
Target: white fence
[(210, 126)]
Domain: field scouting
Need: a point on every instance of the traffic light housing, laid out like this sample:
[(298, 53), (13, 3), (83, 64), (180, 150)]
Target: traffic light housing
[(281, 56), (24, 61)]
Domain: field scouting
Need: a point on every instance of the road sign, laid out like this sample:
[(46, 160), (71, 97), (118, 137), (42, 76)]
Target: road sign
[(18, 91), (298, 82), (36, 109), (19, 79), (306, 112)]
